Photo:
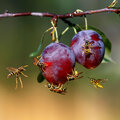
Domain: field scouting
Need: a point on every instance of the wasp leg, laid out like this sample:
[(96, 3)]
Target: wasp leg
[(21, 82), (43, 67), (80, 77), (95, 86), (68, 76), (60, 88), (50, 86), (16, 82), (39, 57), (23, 74), (25, 66), (80, 73)]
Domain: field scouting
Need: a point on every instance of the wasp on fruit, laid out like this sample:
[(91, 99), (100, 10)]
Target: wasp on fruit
[(86, 47), (17, 72), (37, 62), (58, 89), (41, 65), (97, 82), (74, 75)]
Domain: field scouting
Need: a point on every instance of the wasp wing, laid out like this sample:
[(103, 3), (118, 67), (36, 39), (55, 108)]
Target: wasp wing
[(103, 80), (11, 69)]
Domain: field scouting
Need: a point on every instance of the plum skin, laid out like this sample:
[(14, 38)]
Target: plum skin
[(61, 61), (95, 48)]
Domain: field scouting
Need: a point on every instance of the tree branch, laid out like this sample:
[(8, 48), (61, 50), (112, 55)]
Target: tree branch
[(64, 16)]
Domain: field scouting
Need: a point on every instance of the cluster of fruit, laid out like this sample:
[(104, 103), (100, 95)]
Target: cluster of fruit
[(57, 61)]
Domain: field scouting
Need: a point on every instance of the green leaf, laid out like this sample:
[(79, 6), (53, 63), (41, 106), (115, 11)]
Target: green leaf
[(33, 54), (108, 46), (40, 77)]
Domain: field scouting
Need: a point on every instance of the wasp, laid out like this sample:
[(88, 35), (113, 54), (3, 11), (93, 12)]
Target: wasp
[(97, 82), (17, 72), (75, 75), (87, 48), (40, 64), (58, 89), (37, 62)]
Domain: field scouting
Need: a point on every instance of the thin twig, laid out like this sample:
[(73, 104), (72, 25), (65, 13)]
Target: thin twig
[(64, 16)]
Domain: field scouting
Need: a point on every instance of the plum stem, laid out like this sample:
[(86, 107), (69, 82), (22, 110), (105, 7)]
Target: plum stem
[(86, 23)]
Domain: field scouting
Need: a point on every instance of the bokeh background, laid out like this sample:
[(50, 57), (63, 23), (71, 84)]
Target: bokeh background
[(21, 35)]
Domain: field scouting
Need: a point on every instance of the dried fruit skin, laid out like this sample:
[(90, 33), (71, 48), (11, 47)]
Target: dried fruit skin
[(88, 48), (59, 60)]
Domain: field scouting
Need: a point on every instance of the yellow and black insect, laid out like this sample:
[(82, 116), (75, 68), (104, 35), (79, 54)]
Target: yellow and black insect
[(17, 72), (74, 75), (40, 64), (58, 89), (37, 62), (97, 82), (87, 48)]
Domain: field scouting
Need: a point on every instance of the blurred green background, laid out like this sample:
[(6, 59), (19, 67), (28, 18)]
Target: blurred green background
[(21, 35)]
